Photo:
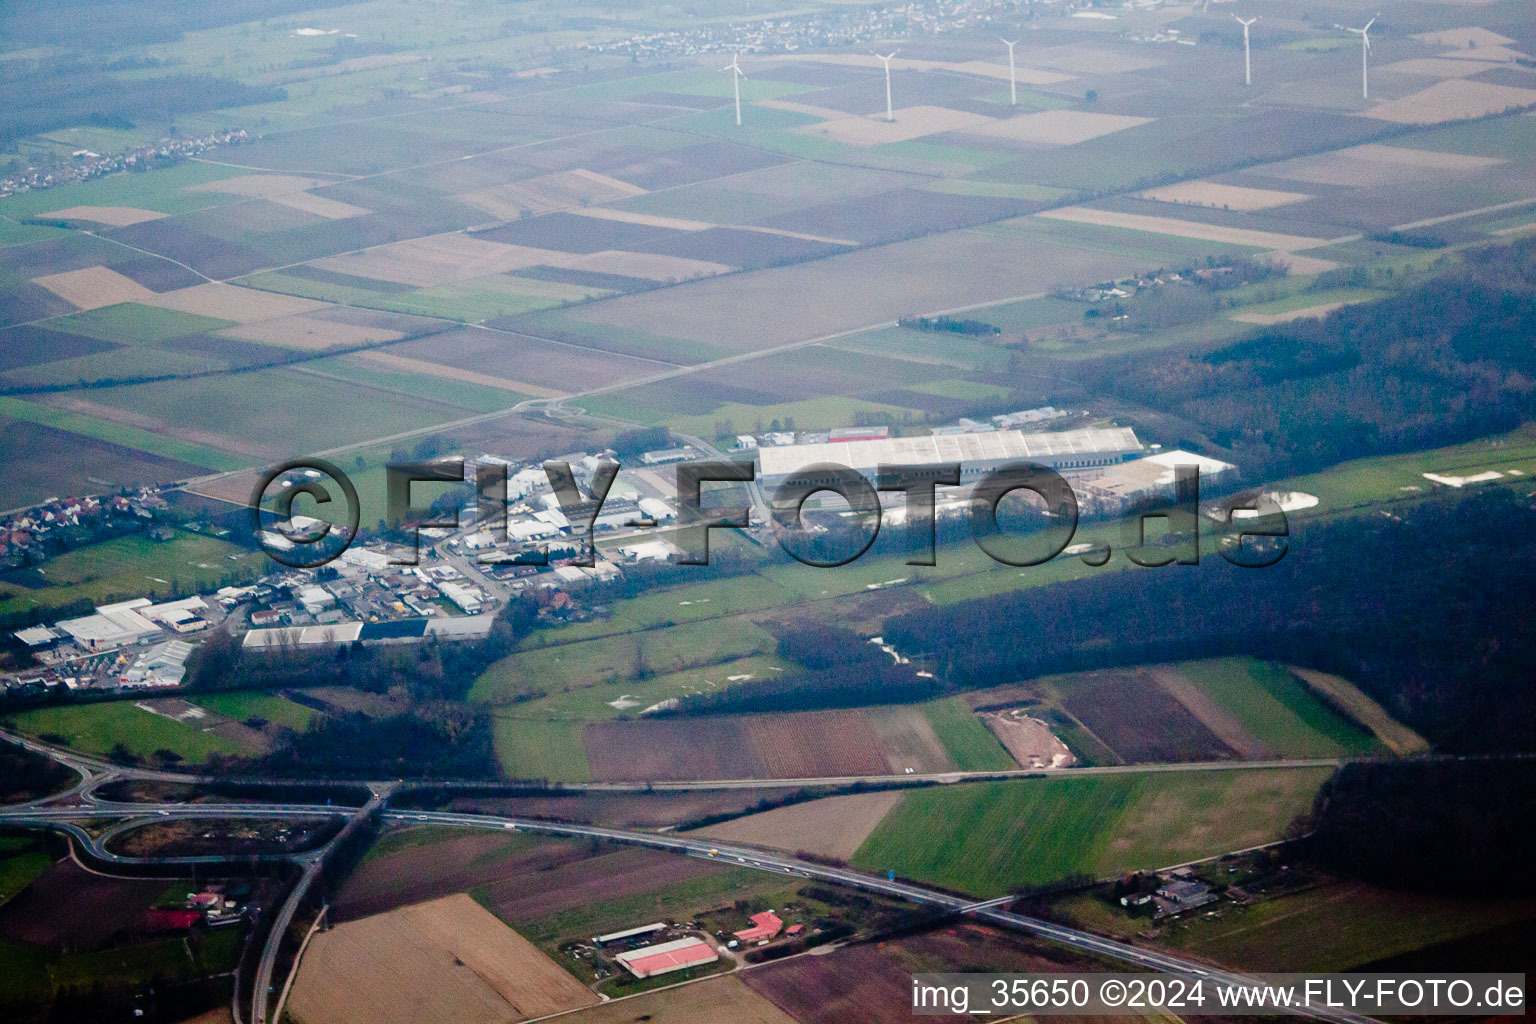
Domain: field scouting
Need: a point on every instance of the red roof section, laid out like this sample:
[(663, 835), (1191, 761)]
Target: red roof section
[(172, 920), (764, 926), (687, 956)]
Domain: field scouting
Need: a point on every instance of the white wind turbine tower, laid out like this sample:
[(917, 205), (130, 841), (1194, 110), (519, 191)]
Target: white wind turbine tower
[(1247, 56), (734, 67), (890, 115), (1365, 55), (1013, 84)]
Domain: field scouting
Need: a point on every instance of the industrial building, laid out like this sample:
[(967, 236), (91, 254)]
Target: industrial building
[(113, 625), (666, 957), (978, 454)]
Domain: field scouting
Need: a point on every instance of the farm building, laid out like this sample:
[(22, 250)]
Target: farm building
[(977, 454), (649, 961), (629, 933), (764, 926)]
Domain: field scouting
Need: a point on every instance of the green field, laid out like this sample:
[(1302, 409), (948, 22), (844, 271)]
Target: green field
[(540, 749), (134, 566), (1339, 926), (97, 728), (968, 741), (553, 670), (138, 324), (1278, 710), (242, 706), (22, 860), (995, 837)]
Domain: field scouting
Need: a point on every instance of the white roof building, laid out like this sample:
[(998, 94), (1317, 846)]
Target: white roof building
[(112, 625), (977, 453), (161, 665)]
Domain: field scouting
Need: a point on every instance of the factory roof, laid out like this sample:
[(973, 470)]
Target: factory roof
[(985, 447)]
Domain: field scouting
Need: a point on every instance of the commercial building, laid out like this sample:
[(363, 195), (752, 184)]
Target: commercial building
[(161, 665), (113, 625), (978, 454), (666, 957)]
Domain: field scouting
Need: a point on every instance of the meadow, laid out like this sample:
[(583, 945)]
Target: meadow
[(133, 566), (995, 837), (98, 728)]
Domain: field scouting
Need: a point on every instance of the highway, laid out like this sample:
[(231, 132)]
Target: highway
[(993, 911)]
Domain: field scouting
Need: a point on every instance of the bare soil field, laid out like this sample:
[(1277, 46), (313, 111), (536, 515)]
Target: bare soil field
[(909, 123), (1120, 708), (1225, 197), (76, 464), (543, 363), (405, 364), (747, 248), (1211, 714), (1464, 38), (114, 216), (28, 346), (1374, 165), (446, 865), (448, 960), (1453, 100), (832, 827), (203, 252), (855, 289), (871, 983), (810, 744), (69, 906), (310, 333), (604, 878), (94, 287), (708, 1002), (320, 206), (1058, 127), (1029, 740), (435, 259), (547, 193), (648, 219), (907, 737), (1183, 228), (645, 265), (231, 302), (261, 186), (154, 424)]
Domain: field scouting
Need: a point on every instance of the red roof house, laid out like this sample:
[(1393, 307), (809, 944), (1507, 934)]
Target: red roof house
[(764, 926)]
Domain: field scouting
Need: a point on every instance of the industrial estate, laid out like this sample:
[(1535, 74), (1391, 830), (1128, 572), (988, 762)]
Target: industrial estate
[(709, 512)]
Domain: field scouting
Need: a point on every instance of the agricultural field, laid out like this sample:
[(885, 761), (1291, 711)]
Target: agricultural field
[(270, 708), (127, 567), (98, 728), (1007, 835), (834, 827), (1340, 925), (449, 959)]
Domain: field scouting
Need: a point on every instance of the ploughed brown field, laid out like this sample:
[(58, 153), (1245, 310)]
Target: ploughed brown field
[(801, 745), (448, 960), (69, 906)]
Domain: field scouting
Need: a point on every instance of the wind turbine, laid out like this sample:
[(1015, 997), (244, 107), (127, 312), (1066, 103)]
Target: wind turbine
[(1013, 85), (736, 76), (1247, 56), (1365, 55), (890, 115)]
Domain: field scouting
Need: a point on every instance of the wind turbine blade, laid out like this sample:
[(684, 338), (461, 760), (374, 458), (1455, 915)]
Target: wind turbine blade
[(1369, 24)]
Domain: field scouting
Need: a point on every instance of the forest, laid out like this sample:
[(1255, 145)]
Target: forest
[(1440, 362), (1429, 610), (1459, 827)]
